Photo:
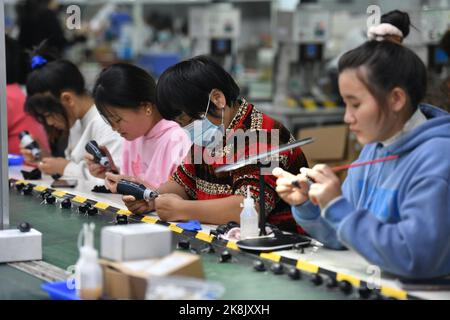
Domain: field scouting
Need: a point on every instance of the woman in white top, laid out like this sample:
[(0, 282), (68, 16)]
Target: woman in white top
[(57, 98)]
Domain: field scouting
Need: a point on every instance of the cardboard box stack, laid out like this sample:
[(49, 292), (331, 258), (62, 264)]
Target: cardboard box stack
[(128, 280), (334, 145), (135, 252)]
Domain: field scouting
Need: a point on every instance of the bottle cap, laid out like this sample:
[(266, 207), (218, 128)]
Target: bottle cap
[(249, 202)]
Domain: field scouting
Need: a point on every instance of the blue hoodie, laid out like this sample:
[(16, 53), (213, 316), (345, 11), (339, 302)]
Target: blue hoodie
[(396, 213)]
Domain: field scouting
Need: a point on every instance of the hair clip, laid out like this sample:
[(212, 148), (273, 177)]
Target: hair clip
[(38, 61), (383, 30)]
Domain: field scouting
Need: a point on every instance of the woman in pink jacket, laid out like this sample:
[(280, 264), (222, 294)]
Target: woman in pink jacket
[(125, 96)]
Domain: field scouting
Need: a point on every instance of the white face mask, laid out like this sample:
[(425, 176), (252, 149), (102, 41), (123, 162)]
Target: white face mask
[(203, 132)]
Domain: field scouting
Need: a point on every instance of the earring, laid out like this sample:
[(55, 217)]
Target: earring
[(149, 111)]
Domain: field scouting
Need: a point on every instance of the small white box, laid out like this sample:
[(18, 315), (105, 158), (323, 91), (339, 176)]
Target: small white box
[(135, 242), (20, 246)]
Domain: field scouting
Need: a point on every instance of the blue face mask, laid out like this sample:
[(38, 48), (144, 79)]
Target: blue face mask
[(205, 133)]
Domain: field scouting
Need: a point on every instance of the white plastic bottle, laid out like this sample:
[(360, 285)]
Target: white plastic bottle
[(249, 218), (88, 272)]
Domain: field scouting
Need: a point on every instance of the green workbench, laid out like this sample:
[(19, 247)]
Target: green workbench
[(60, 228)]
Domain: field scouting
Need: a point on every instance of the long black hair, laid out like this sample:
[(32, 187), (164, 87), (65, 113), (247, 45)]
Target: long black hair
[(30, 9), (124, 86), (12, 50), (185, 87)]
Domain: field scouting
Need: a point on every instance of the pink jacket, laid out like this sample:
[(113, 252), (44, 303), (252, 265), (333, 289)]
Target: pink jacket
[(155, 156)]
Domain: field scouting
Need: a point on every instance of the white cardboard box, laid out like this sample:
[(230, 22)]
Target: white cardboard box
[(135, 242), (128, 280), (20, 246)]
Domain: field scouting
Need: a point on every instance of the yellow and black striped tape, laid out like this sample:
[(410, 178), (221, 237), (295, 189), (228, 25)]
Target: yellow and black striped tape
[(301, 265), (313, 104)]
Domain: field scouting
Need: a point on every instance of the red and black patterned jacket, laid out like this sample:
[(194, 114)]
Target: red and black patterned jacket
[(202, 183)]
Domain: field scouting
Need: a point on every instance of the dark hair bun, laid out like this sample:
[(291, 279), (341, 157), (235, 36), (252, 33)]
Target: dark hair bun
[(399, 19)]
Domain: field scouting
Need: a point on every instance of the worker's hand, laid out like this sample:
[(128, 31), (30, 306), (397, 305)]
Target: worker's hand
[(138, 206), (112, 167), (111, 180), (289, 193), (53, 166), (96, 169), (326, 186), (169, 206), (28, 156)]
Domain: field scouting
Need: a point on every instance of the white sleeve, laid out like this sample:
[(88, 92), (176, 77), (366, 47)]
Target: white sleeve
[(104, 135)]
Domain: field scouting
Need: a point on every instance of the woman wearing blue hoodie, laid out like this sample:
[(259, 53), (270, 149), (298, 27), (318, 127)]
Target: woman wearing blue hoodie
[(396, 214)]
